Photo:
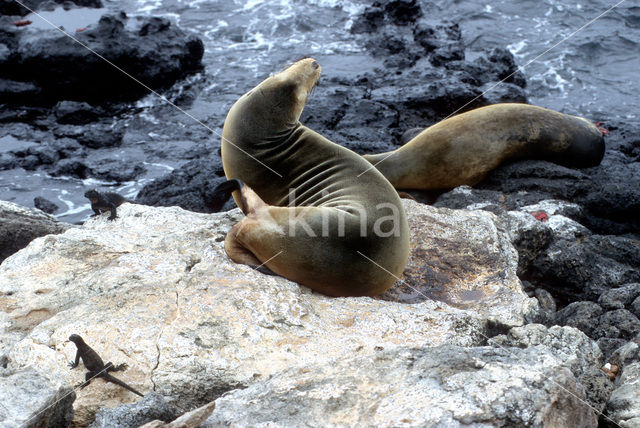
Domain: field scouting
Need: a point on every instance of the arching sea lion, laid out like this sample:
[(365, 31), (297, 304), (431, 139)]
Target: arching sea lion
[(464, 148), (309, 217)]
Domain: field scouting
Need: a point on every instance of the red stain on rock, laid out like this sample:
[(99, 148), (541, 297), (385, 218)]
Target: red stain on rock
[(22, 23), (540, 215)]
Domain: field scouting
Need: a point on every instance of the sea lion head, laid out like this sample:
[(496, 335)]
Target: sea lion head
[(279, 100)]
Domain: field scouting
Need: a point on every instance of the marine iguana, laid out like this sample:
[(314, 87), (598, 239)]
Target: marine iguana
[(95, 365), (104, 201)]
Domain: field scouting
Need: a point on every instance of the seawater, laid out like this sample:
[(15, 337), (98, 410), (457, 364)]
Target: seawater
[(593, 73)]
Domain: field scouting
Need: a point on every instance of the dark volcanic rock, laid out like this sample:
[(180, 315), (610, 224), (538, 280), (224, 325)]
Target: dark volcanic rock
[(95, 135), (547, 305), (114, 170), (150, 49), (529, 236), (609, 345), (619, 323), (635, 307), (20, 225), (380, 13), (76, 113), (70, 168), (14, 92), (101, 136), (620, 298), (11, 7), (499, 64), (189, 187), (425, 79), (45, 205), (152, 406), (584, 267), (581, 315), (609, 193)]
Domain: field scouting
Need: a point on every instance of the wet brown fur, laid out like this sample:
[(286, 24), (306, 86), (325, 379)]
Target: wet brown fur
[(264, 123), (465, 148)]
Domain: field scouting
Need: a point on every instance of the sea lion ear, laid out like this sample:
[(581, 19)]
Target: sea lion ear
[(287, 86)]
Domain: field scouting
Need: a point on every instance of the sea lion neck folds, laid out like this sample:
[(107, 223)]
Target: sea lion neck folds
[(314, 223)]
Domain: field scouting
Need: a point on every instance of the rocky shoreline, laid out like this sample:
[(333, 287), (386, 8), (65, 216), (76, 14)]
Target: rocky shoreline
[(536, 324)]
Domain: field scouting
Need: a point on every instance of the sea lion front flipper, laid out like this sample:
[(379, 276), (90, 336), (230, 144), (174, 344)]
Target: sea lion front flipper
[(241, 255), (250, 202), (235, 250)]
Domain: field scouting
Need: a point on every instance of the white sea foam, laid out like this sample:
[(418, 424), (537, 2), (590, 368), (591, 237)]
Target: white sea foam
[(517, 48)]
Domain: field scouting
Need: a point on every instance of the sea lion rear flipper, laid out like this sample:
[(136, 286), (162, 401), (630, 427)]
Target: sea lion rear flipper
[(221, 194), (251, 202)]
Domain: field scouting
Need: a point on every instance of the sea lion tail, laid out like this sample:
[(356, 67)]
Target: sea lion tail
[(222, 193)]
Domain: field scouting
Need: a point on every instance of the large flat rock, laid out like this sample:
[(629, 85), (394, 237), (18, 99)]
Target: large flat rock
[(155, 289)]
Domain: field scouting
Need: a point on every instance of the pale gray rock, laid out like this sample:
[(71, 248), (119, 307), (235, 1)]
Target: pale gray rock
[(576, 350), (155, 289), (20, 225), (192, 419), (566, 228), (562, 218), (28, 399), (465, 259), (556, 207), (624, 404), (446, 386)]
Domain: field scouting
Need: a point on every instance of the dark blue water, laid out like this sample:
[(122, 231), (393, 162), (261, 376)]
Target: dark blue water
[(594, 73)]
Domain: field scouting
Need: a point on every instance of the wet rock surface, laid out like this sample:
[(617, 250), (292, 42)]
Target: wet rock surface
[(19, 226), (65, 110), (150, 49), (11, 7)]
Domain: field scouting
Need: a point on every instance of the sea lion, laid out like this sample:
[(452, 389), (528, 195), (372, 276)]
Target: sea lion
[(464, 148), (309, 217)]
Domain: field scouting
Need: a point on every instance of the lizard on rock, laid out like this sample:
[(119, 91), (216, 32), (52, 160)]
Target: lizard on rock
[(105, 201), (95, 365)]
